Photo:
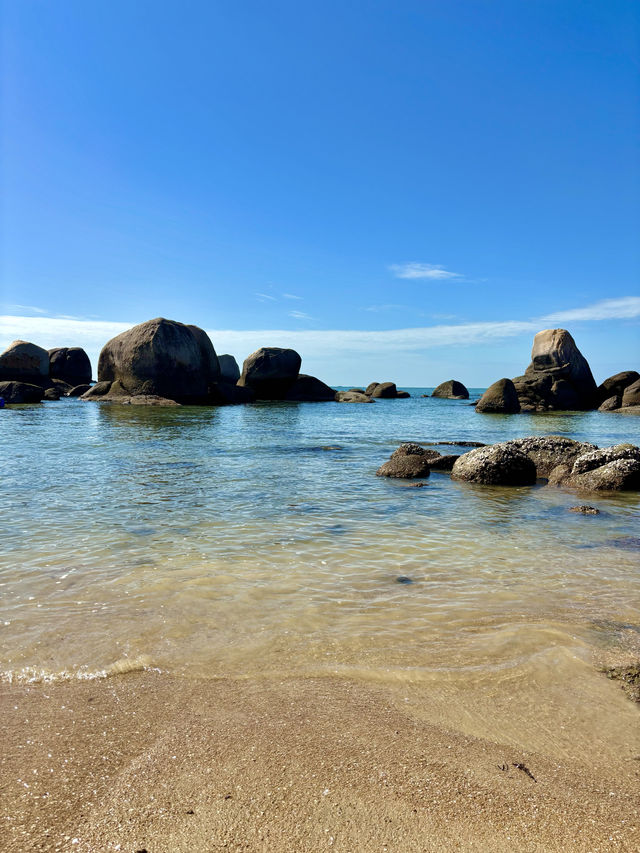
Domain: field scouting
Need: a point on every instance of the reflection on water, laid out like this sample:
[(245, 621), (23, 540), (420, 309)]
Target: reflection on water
[(257, 540)]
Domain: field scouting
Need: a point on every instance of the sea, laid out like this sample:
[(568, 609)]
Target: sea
[(256, 541)]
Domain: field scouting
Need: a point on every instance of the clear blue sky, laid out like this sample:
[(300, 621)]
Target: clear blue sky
[(465, 170)]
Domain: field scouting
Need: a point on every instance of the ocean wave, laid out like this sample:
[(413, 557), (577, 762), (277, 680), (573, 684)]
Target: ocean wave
[(37, 675)]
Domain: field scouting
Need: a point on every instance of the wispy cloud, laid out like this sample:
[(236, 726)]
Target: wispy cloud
[(435, 272), (321, 344), (291, 296), (265, 297), (378, 309)]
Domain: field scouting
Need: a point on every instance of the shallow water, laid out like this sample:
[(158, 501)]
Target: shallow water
[(257, 541)]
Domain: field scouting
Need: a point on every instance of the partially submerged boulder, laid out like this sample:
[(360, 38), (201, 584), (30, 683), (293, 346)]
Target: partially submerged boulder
[(70, 364), (229, 370), (270, 372), (451, 390), (631, 395), (385, 390), (352, 397), (610, 404), (614, 468), (558, 377), (549, 451), (78, 391), (499, 398), (21, 392), (159, 358), (308, 389), (22, 361), (497, 465), (409, 461), (614, 386)]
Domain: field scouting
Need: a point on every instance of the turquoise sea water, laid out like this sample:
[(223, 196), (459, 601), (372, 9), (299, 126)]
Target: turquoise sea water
[(257, 541)]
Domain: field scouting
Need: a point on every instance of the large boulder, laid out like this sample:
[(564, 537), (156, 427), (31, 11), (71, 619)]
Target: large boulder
[(308, 389), (270, 372), (614, 386), (410, 461), (230, 394), (549, 451), (497, 465), (371, 387), (451, 390), (25, 362), (70, 364), (385, 390), (229, 370), (159, 358), (610, 404), (631, 395), (499, 398), (558, 377), (609, 469), (21, 392)]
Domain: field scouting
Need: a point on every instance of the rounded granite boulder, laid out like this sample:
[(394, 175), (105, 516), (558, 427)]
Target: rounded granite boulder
[(71, 365), (497, 465), (408, 462), (270, 372), (499, 398), (451, 390), (22, 361)]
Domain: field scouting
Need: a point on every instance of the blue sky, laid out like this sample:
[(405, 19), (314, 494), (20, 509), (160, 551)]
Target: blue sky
[(400, 190)]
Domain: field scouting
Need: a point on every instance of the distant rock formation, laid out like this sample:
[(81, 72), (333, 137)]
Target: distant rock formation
[(615, 386), (451, 390), (353, 396), (385, 391)]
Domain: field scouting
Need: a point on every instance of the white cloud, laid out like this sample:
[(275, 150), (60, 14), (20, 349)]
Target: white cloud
[(290, 296), (435, 272), (377, 309), (300, 315), (320, 346), (265, 297)]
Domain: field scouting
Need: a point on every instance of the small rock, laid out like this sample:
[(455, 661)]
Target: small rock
[(585, 510)]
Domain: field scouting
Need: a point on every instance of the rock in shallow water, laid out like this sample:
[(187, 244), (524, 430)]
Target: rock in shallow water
[(497, 465)]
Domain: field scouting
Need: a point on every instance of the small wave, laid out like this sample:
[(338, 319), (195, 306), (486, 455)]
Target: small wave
[(35, 675)]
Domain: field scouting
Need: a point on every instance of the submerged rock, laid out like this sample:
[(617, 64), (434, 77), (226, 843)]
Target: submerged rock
[(408, 462), (352, 397), (585, 510), (497, 465), (20, 392), (451, 390)]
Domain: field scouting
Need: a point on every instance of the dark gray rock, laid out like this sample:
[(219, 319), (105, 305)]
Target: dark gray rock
[(444, 463), (611, 404), (451, 390), (100, 389), (78, 391), (497, 465), (159, 358), (631, 395), (409, 461), (52, 393), (558, 377), (71, 365), (585, 510), (614, 386), (385, 390), (499, 398), (402, 395), (308, 389), (24, 362), (270, 372), (21, 392), (231, 394), (371, 387), (549, 451), (229, 370), (614, 468)]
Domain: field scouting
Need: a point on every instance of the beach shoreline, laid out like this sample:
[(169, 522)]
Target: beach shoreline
[(148, 761)]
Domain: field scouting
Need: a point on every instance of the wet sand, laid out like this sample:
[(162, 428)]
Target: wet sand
[(148, 762)]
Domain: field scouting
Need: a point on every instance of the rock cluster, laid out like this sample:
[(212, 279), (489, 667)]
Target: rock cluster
[(373, 391), (522, 462), (29, 373), (559, 378)]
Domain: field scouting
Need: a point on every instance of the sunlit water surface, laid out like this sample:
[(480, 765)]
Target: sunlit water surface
[(257, 540)]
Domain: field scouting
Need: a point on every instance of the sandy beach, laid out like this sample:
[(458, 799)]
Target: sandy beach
[(147, 762)]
